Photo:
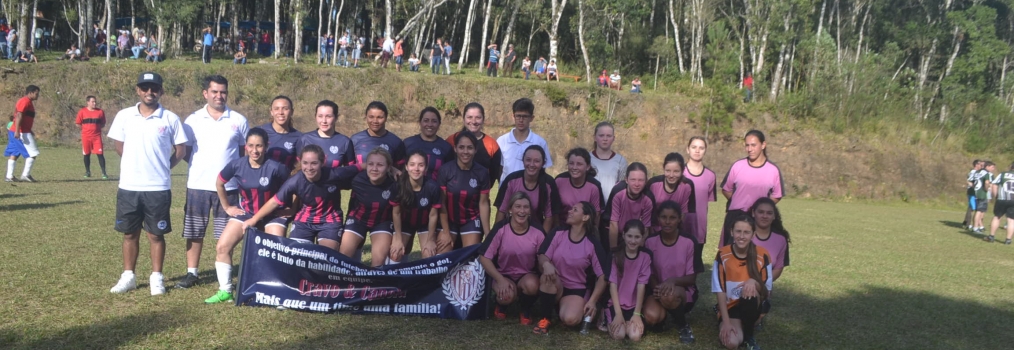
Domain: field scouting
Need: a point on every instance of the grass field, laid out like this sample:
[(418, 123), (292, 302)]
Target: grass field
[(862, 276)]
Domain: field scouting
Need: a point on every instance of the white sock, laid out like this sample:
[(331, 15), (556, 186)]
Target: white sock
[(128, 273), (192, 270), (156, 275), (388, 261), (28, 166), (224, 271), (10, 167)]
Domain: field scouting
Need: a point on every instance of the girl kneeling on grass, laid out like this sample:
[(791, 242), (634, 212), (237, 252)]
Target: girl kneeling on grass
[(509, 256), (674, 272), (566, 260), (631, 271), (259, 179), (370, 209), (415, 209), (741, 278), (773, 236)]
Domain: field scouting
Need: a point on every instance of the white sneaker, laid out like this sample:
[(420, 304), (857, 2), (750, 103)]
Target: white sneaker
[(157, 285), (127, 283)]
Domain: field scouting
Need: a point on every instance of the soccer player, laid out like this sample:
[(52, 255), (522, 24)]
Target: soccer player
[(628, 281), (370, 209), (150, 141), (674, 272), (509, 257), (983, 182), (749, 179), (14, 150), (91, 120), (24, 118), (338, 149), (609, 166), (741, 280), (259, 178), (282, 137), (672, 186), (970, 213), (216, 135), (629, 200), (416, 204), (376, 135), (772, 236), (539, 186), (696, 224), (466, 194), (514, 143), (318, 188), (567, 260), (489, 154), (578, 184), (438, 151), (1003, 185)]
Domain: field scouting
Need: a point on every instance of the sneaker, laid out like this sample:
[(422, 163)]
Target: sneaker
[(189, 280), (127, 283), (978, 230), (543, 327), (499, 313), (105, 177), (526, 318), (219, 297), (751, 344), (28, 178), (9, 179), (88, 174), (156, 284), (1007, 242), (988, 239), (686, 334)]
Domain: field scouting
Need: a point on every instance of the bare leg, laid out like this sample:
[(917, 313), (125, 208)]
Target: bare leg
[(131, 244), (157, 250)]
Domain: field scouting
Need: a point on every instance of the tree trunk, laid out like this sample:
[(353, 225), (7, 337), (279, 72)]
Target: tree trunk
[(82, 28), (923, 76), (337, 28), (465, 46), (485, 33), (388, 26), (35, 24), (947, 71), (584, 48), (320, 31), (816, 48), (557, 13), (510, 30), (278, 27), (297, 29), (23, 26), (109, 28)]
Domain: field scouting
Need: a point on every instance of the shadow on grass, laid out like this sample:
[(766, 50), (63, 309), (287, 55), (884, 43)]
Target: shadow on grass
[(19, 195), (953, 224), (961, 229), (27, 206), (94, 179), (105, 334)]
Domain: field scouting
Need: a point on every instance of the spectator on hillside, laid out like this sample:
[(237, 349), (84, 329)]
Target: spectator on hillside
[(635, 85), (615, 81), (3, 40), (357, 52), (526, 66), (436, 53), (329, 48), (26, 56), (38, 36), (239, 57), (343, 49), (551, 71), (748, 86), (399, 53), (122, 45), (540, 67), (387, 51), (603, 79), (207, 43), (153, 53), (100, 42), (139, 45), (413, 64), (12, 39), (72, 53), (447, 53), (494, 59), (265, 44), (508, 61)]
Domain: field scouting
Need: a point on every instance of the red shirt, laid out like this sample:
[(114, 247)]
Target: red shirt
[(27, 110), (91, 122), (748, 82)]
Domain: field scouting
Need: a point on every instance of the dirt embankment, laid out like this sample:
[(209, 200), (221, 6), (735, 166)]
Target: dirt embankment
[(813, 163)]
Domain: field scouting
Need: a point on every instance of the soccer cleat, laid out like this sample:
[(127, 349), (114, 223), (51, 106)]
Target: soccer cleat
[(156, 284), (28, 178), (526, 318), (1007, 242), (105, 177), (9, 179), (988, 239), (498, 313), (88, 174), (543, 327), (219, 297), (686, 334), (189, 280), (751, 344), (127, 283)]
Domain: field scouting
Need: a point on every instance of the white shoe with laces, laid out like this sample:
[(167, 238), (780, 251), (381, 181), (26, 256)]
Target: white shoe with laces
[(156, 284), (127, 283)]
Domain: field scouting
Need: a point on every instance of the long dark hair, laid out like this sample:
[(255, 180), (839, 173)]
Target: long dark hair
[(465, 134), (670, 205), (540, 182), (472, 105), (591, 227), (620, 251), (751, 258), (405, 195), (776, 224), (259, 133), (760, 137), (583, 153)]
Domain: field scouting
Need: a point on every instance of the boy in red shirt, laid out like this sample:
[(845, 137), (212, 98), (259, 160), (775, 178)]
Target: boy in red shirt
[(21, 129), (91, 120)]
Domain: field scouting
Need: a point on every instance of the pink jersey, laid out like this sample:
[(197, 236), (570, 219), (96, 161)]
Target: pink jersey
[(705, 191), (635, 271), (676, 260), (573, 261), (570, 195), (683, 195), (545, 198), (748, 183), (777, 247), (513, 253), (625, 208)]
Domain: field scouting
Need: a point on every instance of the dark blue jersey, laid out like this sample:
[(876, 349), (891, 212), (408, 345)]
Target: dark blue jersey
[(463, 188), (438, 152), (338, 150), (370, 204), (282, 147), (364, 143), (256, 185), (322, 198), (416, 214)]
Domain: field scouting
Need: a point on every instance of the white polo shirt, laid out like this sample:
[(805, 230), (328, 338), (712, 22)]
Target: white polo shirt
[(147, 147), (214, 144), (513, 151)]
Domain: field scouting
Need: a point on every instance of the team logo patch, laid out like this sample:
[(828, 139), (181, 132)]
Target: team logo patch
[(350, 221), (331, 189), (473, 183), (384, 146), (235, 127), (436, 151), (264, 181), (161, 130), (149, 77), (162, 224), (334, 149), (288, 145), (465, 284), (423, 202), (386, 194)]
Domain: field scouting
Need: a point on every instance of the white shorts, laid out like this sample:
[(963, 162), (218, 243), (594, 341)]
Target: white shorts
[(29, 140)]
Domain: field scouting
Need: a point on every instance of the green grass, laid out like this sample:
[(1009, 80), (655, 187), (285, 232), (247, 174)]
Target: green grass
[(862, 276)]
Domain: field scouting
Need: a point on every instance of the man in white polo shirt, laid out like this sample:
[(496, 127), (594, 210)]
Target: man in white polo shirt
[(150, 141), (216, 135), (513, 143)]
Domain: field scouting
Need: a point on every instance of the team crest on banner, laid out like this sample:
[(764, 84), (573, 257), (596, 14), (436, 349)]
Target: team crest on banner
[(288, 145), (264, 181), (465, 284), (334, 149)]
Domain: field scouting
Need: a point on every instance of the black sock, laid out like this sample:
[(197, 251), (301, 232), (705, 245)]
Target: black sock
[(526, 301), (679, 317), (750, 312), (88, 163), (102, 163), (546, 304)]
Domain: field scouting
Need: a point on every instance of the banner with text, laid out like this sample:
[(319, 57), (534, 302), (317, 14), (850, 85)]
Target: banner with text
[(280, 272)]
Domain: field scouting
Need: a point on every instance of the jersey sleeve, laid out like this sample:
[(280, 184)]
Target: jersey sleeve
[(597, 201), (601, 263), (228, 171), (713, 190), (547, 245), (485, 183), (288, 189), (614, 211), (22, 105), (555, 206), (491, 246), (243, 130), (116, 130), (644, 271), (350, 153), (102, 119), (343, 175), (501, 193), (280, 174), (768, 277), (613, 269), (296, 150), (549, 155), (496, 165), (692, 266), (729, 181), (648, 210), (718, 277), (180, 136), (691, 206), (80, 117), (779, 183), (398, 154)]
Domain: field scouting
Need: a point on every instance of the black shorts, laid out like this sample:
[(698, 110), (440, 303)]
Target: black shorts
[(473, 226), (409, 230), (578, 292), (266, 221), (981, 205), (698, 251), (199, 208), (143, 209), (310, 233), (627, 314), (1001, 208), (360, 229)]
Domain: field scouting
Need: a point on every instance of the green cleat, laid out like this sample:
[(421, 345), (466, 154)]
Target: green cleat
[(219, 297)]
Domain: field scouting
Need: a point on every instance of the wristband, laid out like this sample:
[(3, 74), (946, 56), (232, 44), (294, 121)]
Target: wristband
[(638, 314)]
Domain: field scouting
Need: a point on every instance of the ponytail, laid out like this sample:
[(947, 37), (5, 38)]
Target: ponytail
[(619, 252)]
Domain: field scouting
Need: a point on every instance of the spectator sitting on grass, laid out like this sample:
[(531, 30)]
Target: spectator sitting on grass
[(603, 79), (540, 67), (239, 57), (26, 56), (413, 63), (72, 53), (122, 44), (635, 85), (615, 80), (551, 71), (526, 66), (153, 54)]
